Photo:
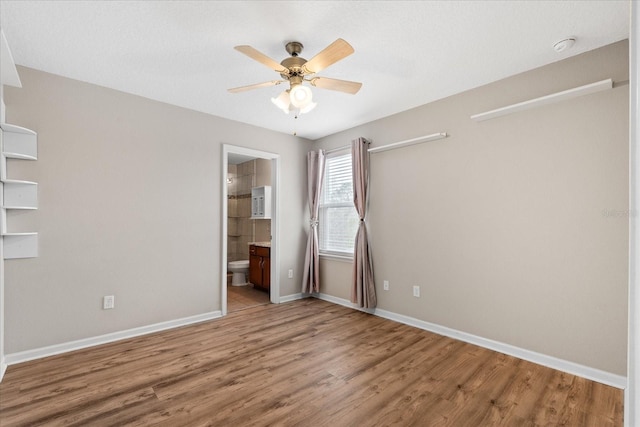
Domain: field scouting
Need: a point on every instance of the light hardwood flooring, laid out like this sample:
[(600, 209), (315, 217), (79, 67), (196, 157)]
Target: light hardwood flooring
[(241, 297), (303, 363)]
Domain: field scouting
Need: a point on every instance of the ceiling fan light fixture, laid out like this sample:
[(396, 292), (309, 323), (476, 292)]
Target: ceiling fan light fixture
[(300, 96), (282, 101), (308, 108), (295, 70)]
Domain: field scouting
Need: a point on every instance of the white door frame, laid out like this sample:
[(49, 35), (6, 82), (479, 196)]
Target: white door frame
[(275, 223), (632, 391)]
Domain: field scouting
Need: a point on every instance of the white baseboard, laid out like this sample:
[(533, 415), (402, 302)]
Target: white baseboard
[(593, 374), (572, 368), (293, 297), (38, 353)]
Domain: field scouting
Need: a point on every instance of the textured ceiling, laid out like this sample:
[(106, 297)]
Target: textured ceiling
[(407, 53)]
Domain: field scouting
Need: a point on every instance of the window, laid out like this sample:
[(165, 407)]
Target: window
[(337, 217)]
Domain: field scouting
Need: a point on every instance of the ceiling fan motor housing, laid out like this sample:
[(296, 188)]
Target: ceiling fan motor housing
[(294, 63), (294, 48)]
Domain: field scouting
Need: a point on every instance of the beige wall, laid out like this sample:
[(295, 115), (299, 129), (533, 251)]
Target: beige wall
[(514, 228), (129, 205), (510, 226)]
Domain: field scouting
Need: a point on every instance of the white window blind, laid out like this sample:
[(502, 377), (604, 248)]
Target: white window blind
[(338, 219)]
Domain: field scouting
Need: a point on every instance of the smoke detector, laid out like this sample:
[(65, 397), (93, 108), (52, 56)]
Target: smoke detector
[(564, 44)]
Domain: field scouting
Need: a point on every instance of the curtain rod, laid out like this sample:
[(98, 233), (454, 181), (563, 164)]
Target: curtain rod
[(400, 144), (545, 100)]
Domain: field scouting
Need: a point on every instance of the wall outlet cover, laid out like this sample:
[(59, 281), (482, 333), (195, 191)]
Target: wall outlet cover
[(108, 302)]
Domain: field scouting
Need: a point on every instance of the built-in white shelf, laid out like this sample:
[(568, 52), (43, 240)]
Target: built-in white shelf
[(18, 142), (19, 194), (20, 245), (18, 156)]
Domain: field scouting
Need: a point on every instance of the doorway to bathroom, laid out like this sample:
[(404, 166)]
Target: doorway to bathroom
[(249, 255)]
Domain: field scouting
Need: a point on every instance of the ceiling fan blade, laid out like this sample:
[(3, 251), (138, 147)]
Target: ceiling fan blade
[(262, 58), (255, 86), (331, 54), (335, 84)]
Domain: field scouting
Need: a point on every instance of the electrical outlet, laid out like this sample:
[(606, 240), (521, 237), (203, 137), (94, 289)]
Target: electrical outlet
[(416, 291), (385, 285), (108, 302), (290, 273)]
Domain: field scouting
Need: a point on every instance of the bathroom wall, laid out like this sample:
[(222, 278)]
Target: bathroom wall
[(241, 229)]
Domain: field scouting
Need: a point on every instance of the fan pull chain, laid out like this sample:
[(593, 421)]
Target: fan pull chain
[(295, 133)]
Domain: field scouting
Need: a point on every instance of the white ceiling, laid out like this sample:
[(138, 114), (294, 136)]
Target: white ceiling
[(407, 53)]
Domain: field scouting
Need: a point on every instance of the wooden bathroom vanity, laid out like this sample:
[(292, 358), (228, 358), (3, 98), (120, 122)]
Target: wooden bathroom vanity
[(260, 265)]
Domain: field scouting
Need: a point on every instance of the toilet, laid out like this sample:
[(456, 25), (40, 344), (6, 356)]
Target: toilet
[(239, 270)]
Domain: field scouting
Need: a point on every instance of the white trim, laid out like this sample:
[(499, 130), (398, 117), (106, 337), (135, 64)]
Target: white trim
[(293, 297), (632, 393), (224, 197), (274, 291), (545, 100), (572, 368), (38, 353), (274, 287), (3, 369), (343, 302)]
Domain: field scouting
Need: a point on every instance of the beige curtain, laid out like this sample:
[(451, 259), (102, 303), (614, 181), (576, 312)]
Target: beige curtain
[(315, 175), (363, 290)]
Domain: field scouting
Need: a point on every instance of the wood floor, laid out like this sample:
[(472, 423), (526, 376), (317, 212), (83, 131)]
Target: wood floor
[(303, 363)]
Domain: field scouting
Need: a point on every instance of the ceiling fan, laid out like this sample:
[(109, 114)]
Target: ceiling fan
[(296, 70)]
